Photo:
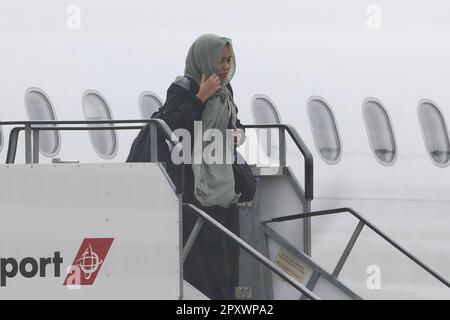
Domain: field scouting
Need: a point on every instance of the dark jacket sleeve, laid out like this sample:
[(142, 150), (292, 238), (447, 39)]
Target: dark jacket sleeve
[(182, 108), (238, 122)]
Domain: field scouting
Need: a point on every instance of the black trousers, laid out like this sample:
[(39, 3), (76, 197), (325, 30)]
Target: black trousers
[(212, 265)]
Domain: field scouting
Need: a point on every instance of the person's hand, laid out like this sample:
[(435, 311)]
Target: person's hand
[(208, 87), (239, 136)]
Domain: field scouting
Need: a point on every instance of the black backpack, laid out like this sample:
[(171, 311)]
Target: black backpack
[(140, 149), (244, 181)]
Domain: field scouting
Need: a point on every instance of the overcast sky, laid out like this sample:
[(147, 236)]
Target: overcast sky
[(32, 16)]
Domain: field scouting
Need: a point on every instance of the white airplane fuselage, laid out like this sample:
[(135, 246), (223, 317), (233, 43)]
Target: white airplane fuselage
[(120, 51)]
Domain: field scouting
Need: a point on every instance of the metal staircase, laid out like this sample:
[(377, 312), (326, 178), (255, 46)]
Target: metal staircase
[(276, 260)]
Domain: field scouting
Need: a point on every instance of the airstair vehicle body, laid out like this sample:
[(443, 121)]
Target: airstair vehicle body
[(113, 230)]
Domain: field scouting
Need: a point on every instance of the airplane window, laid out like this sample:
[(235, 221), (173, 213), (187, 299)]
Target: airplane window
[(380, 132), (1, 138), (265, 112), (149, 102), (434, 131), (324, 129), (39, 107), (95, 107)]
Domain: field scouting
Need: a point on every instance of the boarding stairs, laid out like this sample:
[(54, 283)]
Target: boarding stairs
[(53, 207)]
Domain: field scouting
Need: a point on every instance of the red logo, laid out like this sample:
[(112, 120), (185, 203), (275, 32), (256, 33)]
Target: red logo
[(88, 261)]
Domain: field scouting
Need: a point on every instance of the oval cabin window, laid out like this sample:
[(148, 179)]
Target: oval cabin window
[(264, 111), (324, 129), (149, 102), (95, 107), (380, 132), (39, 107), (1, 139), (434, 131)]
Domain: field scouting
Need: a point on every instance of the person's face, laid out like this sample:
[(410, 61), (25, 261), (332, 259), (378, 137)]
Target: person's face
[(225, 63)]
